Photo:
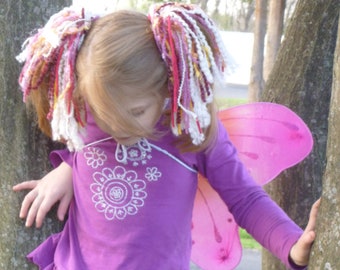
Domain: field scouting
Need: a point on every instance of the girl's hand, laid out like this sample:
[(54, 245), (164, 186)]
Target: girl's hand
[(53, 187), (300, 252)]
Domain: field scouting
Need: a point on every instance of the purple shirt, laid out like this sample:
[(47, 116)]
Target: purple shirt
[(132, 206)]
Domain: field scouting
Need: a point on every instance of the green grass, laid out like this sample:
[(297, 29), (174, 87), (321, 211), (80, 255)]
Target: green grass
[(224, 103), (248, 241)]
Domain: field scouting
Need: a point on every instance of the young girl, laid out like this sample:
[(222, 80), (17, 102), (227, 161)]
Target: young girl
[(131, 96)]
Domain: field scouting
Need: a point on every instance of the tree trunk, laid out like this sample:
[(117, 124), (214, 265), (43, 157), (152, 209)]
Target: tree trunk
[(302, 79), (24, 150), (249, 16), (203, 4), (217, 6), (274, 34), (256, 83), (325, 254)]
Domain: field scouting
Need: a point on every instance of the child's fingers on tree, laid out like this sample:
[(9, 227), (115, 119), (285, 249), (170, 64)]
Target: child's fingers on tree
[(32, 212), (44, 207), (27, 202), (63, 207), (26, 185)]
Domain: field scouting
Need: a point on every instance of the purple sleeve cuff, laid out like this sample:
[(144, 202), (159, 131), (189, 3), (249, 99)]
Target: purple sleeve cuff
[(59, 156)]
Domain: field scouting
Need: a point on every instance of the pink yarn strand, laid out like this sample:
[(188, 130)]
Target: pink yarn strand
[(174, 71)]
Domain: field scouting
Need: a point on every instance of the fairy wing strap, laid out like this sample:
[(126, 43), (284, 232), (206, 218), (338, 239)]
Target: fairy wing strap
[(269, 138)]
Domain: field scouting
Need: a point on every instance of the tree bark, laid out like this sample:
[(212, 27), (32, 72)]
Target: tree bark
[(24, 150), (274, 34), (256, 83), (302, 80), (326, 248)]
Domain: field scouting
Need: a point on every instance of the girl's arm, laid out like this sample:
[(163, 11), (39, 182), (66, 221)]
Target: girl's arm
[(251, 207), (53, 187)]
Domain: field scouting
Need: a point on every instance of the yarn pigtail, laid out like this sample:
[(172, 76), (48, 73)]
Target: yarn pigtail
[(49, 58), (194, 54)]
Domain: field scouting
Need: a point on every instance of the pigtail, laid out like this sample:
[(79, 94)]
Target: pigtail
[(48, 78), (194, 54)]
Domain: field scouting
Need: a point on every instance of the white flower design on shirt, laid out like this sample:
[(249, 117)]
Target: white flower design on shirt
[(137, 154), (118, 192), (152, 174), (95, 157)]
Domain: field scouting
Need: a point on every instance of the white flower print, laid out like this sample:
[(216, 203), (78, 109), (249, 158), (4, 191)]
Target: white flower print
[(118, 192), (95, 157), (137, 154), (152, 174), (133, 154)]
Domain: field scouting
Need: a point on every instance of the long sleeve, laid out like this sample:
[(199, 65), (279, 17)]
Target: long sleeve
[(59, 156), (250, 205)]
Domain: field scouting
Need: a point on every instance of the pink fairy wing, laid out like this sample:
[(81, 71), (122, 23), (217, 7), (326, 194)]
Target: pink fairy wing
[(215, 239), (269, 138)]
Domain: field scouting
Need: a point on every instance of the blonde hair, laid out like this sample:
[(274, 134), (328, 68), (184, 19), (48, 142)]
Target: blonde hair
[(124, 55), (119, 59)]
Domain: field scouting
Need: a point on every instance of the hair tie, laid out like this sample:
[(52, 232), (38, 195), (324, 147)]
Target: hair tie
[(49, 57), (191, 47)]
